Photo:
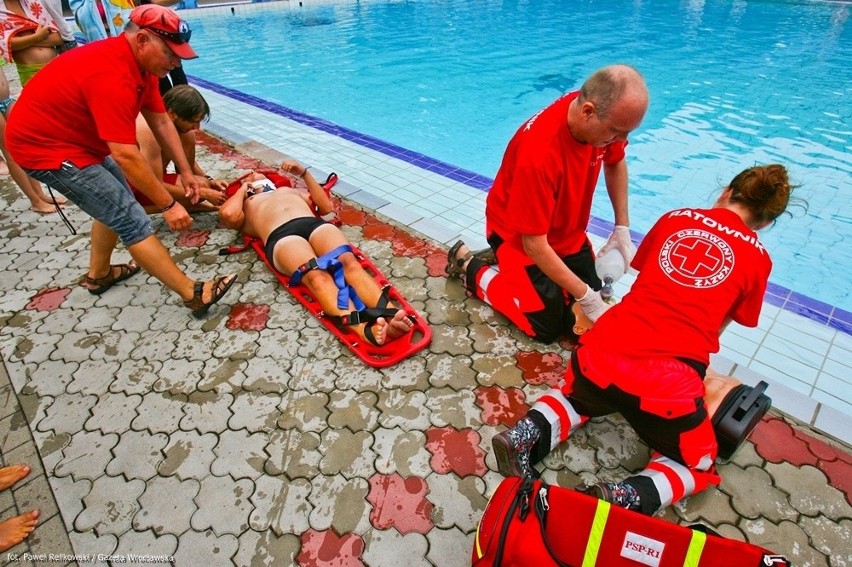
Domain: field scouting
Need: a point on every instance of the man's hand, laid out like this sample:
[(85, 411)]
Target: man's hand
[(217, 184), (620, 238), (177, 217), (191, 187), (592, 304)]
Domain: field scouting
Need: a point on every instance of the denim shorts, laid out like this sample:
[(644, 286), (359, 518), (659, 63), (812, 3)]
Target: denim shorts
[(102, 192)]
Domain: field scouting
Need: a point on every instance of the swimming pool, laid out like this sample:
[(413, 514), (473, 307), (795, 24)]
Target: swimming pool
[(732, 84)]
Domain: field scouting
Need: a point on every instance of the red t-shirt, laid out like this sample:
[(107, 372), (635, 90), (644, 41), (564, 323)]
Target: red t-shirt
[(547, 180), (79, 102), (697, 267)]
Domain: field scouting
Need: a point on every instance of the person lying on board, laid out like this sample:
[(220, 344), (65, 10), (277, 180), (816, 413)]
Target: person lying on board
[(297, 243)]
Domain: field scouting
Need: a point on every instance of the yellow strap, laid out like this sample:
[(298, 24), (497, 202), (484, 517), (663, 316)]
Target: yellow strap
[(596, 534), (696, 547)]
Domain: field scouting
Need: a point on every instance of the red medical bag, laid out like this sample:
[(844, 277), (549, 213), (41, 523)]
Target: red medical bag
[(530, 523)]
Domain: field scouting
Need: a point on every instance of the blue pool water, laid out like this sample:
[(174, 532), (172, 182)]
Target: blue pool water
[(733, 83)]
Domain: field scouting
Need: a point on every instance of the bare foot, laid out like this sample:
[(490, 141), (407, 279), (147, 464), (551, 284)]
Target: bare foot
[(4, 169), (385, 331), (15, 530), (379, 330), (60, 200), (43, 208), (12, 474), (399, 325)]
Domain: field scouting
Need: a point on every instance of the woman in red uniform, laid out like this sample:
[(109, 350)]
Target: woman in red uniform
[(698, 270)]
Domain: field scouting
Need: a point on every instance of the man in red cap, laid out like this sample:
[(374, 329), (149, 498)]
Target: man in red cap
[(74, 129)]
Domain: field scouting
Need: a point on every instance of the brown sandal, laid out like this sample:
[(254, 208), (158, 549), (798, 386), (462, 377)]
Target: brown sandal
[(455, 266), (97, 286), (220, 288)]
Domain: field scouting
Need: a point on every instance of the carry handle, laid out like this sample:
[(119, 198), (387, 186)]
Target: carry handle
[(750, 400)]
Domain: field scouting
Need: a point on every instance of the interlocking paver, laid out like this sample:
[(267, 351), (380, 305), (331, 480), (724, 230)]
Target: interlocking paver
[(254, 411), (753, 495), (265, 549), (169, 515), (786, 538), (240, 454), (281, 505), (87, 455), (400, 451), (113, 413), (136, 376), (223, 505), (293, 453), (354, 410), (188, 455), (383, 549), (449, 547), (67, 413), (138, 454), (92, 377), (458, 501), (346, 453), (808, 491), (404, 409), (339, 504), (159, 412), (110, 506), (205, 548), (206, 412), (146, 543), (179, 376)]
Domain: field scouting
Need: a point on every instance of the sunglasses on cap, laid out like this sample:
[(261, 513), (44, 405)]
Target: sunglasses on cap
[(181, 36)]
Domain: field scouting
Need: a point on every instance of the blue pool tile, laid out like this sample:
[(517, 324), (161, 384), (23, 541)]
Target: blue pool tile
[(811, 304), (778, 290)]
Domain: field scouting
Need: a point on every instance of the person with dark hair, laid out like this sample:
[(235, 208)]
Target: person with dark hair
[(74, 129), (699, 269), (187, 109), (538, 209)]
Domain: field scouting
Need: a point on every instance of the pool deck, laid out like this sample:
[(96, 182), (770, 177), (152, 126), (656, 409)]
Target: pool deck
[(253, 438)]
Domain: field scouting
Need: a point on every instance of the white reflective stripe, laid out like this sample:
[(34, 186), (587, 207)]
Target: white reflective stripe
[(487, 276), (705, 463), (660, 480), (555, 395), (552, 419)]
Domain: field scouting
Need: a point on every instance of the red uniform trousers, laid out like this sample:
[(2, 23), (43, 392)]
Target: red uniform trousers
[(519, 290), (661, 398)]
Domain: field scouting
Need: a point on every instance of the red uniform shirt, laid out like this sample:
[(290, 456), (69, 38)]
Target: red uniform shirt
[(547, 180), (697, 268), (79, 102)]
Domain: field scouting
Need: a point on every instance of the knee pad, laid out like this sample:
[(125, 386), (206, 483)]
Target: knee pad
[(738, 415)]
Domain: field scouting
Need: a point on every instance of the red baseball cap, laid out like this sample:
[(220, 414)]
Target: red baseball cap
[(167, 25)]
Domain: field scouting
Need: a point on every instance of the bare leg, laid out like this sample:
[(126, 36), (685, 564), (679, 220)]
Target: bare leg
[(39, 202), (103, 241), (327, 238), (12, 474), (15, 530), (153, 257)]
